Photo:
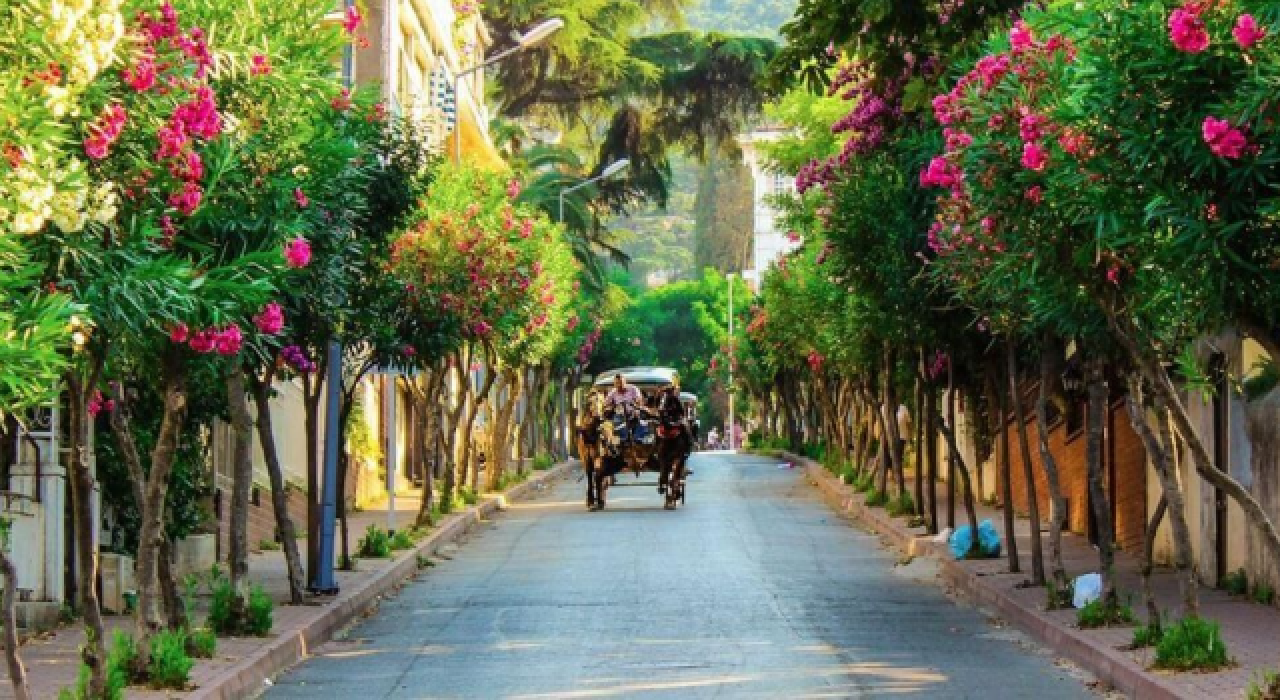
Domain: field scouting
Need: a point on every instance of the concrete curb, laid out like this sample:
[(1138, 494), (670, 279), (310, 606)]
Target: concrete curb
[(245, 678), (1108, 664)]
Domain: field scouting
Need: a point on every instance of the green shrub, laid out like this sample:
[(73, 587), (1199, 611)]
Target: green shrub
[(170, 666), (1056, 598), (376, 544), (1264, 686), (1264, 594), (1101, 614), (468, 496), (121, 659), (902, 505), (1192, 644), (269, 546), (1147, 635), (1236, 583), (402, 540), (258, 610), (202, 643), (849, 475), (260, 618), (877, 498), (543, 462)]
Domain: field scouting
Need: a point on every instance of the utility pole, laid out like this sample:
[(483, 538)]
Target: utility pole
[(732, 433)]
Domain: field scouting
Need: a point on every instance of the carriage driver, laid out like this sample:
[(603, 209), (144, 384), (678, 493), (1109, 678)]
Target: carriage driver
[(629, 399)]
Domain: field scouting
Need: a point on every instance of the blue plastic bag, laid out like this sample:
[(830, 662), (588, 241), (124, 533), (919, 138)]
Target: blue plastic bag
[(988, 540)]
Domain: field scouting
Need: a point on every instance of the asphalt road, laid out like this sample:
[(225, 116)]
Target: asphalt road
[(754, 589)]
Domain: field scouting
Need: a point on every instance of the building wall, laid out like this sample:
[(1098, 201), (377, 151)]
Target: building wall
[(769, 244)]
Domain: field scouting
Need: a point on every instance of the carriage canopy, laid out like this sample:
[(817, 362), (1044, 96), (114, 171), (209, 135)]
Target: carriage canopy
[(644, 378)]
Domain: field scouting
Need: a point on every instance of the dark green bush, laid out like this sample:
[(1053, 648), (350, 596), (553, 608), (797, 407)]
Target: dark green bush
[(376, 544), (1236, 582), (1192, 644), (1147, 635), (170, 666), (403, 539), (1264, 594), (257, 614), (877, 498), (259, 617)]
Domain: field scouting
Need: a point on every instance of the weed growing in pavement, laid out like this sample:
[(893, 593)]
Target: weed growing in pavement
[(376, 544), (403, 539), (877, 498), (865, 482), (468, 496), (902, 505), (1264, 594), (1192, 644), (1236, 582), (1102, 614), (1264, 686), (222, 619), (170, 666), (543, 462), (202, 643), (269, 545), (1147, 635)]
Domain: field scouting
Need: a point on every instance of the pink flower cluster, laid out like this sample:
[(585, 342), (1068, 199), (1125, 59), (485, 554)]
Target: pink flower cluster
[(513, 189), (297, 253), (142, 75), (589, 346), (187, 199), (97, 404), (815, 361), (226, 341), (1034, 156), (104, 131), (259, 64), (351, 20), (300, 198), (941, 173), (1247, 33), (1187, 30), (1224, 140), (270, 320)]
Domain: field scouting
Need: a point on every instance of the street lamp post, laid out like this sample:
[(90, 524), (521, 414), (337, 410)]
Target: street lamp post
[(732, 436), (536, 35), (610, 170)]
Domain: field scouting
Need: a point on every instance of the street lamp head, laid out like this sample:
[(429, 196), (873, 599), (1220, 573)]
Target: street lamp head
[(614, 168), (540, 32)]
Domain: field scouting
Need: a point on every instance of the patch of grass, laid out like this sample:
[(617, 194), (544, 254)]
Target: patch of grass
[(849, 475), (1236, 583), (543, 462), (269, 546), (865, 482), (1192, 644), (1102, 614), (1265, 685), (376, 544), (877, 498), (169, 666), (1147, 635), (202, 643), (402, 540)]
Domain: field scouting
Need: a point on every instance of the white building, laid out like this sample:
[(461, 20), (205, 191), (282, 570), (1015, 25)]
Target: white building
[(768, 242)]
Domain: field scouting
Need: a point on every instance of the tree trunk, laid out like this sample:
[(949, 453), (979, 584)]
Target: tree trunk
[(1050, 362), (1148, 563), (155, 494), (312, 389), (490, 377), (17, 672), (425, 390), (1028, 470), (500, 445), (930, 414), (970, 506), (953, 455), (917, 412), (241, 485), (93, 653), (1097, 388), (1160, 450), (1006, 482), (261, 389), (896, 441)]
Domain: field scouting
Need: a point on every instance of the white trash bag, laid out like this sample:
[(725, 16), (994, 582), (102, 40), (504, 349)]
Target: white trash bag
[(1086, 589)]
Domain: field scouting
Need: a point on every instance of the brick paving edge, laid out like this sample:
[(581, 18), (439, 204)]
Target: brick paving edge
[(246, 677), (1108, 664)]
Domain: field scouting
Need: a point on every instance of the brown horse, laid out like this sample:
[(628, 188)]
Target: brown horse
[(591, 448), (675, 443)]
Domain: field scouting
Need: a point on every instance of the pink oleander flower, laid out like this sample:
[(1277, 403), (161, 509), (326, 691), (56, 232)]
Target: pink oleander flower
[(229, 340), (343, 101), (200, 117), (526, 228), (1034, 156), (793, 237), (815, 361), (1223, 139), (1035, 194), (1113, 275), (187, 200), (169, 230), (259, 65), (537, 268), (179, 333), (481, 328), (572, 323), (1021, 38), (190, 168), (95, 147), (351, 22), (297, 253), (1247, 32), (300, 198), (409, 351), (270, 320), (203, 341), (513, 189), (1031, 127), (173, 138), (142, 75), (1186, 29)]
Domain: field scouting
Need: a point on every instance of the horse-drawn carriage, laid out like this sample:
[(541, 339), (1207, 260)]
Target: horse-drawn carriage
[(649, 430)]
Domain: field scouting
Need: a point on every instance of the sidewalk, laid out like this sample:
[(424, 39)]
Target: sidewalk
[(241, 664), (1251, 631)]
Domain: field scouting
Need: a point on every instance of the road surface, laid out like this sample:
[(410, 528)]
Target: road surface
[(754, 589)]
